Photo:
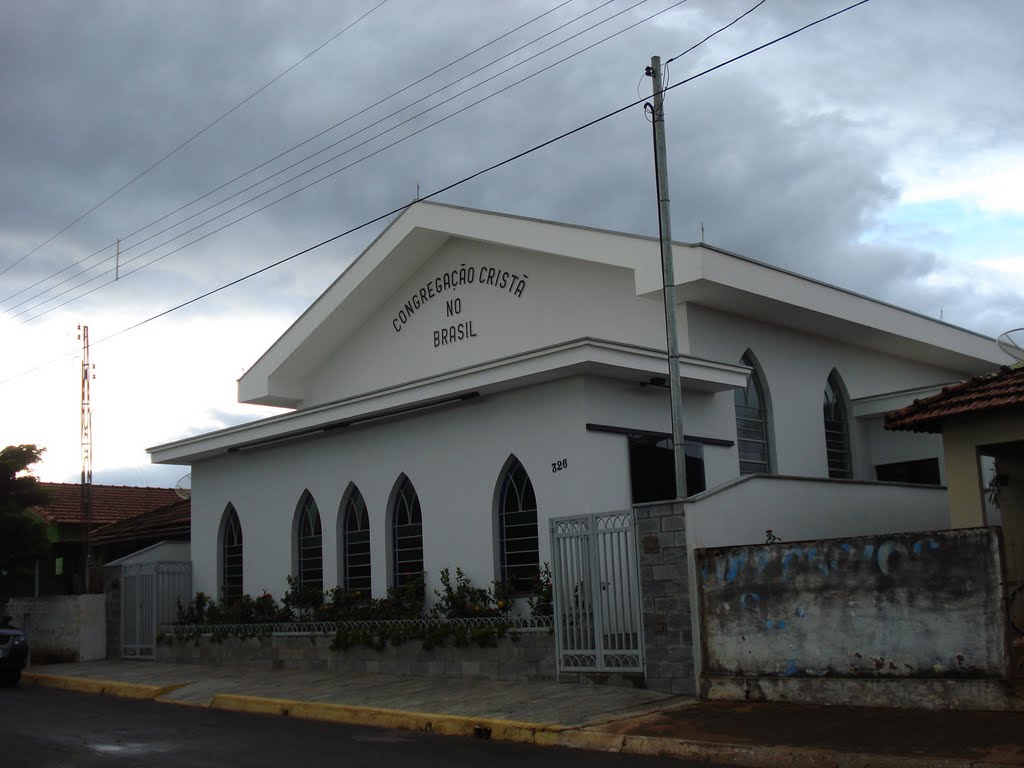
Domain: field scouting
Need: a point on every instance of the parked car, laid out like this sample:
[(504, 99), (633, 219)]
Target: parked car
[(13, 653)]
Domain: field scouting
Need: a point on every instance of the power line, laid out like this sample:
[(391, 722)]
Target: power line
[(323, 163), (720, 29), (191, 138), (292, 149), (449, 187)]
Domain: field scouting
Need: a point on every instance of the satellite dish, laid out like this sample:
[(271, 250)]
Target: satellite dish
[(1012, 343), (184, 486)]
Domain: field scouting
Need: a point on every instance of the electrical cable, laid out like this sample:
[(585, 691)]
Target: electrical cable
[(449, 187), (285, 152), (308, 157), (296, 176), (720, 29), (320, 165), (190, 139)]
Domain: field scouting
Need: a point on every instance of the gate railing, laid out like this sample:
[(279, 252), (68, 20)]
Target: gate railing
[(149, 597), (596, 586)]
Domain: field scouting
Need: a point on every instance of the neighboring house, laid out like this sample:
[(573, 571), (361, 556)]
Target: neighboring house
[(171, 522), (978, 418), (473, 375), (61, 573)]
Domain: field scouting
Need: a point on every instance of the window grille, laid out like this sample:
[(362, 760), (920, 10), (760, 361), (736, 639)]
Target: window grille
[(752, 423), (837, 434), (406, 535), (517, 518), (231, 557), (310, 544), (356, 547)]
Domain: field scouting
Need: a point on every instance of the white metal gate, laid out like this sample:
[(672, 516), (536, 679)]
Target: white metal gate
[(149, 597), (596, 585)]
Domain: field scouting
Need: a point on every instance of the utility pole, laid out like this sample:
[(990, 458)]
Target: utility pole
[(668, 276), (86, 440)]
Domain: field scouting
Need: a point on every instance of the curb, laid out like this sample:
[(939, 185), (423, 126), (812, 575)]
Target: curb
[(447, 725), (108, 687), (575, 737), (540, 734)]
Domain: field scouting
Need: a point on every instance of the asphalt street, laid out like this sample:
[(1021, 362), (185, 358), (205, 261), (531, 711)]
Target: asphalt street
[(46, 728)]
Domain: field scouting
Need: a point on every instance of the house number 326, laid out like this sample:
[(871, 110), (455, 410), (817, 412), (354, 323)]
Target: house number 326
[(558, 466)]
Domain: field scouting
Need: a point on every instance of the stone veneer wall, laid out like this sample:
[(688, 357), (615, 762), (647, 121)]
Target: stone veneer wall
[(665, 595), (530, 657)]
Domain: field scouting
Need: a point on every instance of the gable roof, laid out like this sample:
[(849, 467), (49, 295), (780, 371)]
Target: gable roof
[(110, 503), (173, 521), (705, 275), (981, 394)]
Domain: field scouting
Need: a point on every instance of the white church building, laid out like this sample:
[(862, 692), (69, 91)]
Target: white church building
[(473, 375)]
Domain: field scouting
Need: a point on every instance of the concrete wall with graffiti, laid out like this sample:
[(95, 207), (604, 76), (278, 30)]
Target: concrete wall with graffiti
[(836, 620)]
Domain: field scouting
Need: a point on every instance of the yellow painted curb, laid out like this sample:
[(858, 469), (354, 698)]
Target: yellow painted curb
[(448, 725), (108, 687)]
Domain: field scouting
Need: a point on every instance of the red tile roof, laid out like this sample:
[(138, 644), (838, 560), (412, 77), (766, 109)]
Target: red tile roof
[(173, 521), (110, 503), (981, 394)]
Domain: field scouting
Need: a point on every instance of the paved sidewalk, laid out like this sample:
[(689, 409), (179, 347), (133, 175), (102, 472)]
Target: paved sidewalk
[(585, 716)]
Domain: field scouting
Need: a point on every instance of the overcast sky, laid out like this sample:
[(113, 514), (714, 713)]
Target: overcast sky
[(880, 151)]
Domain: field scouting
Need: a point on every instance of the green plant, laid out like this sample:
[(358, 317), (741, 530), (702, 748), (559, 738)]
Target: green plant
[(461, 600), (302, 601), (542, 601)]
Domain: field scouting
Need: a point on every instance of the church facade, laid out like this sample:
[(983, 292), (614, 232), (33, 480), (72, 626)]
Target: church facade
[(473, 375)]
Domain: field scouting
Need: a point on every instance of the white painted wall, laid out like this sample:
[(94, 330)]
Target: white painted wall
[(563, 299), (796, 366), (798, 509), (453, 458), (63, 626)]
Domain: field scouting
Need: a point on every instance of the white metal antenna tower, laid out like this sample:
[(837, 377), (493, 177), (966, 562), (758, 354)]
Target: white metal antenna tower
[(86, 440)]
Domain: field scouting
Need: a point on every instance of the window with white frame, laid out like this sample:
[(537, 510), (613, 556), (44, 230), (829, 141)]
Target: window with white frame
[(752, 422), (231, 556), (406, 535), (309, 542), (837, 430), (518, 543), (355, 529)]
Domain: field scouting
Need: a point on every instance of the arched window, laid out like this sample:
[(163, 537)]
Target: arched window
[(406, 534), (355, 548), (309, 540), (231, 556), (752, 422), (837, 431), (518, 544)]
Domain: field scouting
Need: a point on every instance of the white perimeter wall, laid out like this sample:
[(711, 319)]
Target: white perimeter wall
[(804, 509), (800, 509)]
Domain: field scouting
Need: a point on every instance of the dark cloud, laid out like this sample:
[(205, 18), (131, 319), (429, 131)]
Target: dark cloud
[(786, 157)]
